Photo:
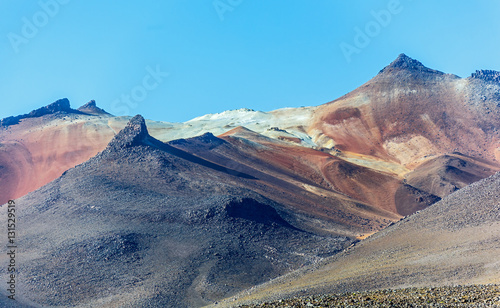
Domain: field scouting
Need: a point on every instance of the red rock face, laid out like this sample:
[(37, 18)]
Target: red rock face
[(39, 150)]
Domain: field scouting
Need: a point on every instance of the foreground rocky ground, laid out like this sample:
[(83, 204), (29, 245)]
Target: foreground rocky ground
[(457, 296)]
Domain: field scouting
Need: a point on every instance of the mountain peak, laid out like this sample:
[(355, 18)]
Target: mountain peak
[(61, 105), (88, 105), (133, 134), (91, 108), (405, 63)]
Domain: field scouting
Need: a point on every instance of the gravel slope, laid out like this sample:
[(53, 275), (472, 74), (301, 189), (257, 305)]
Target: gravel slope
[(456, 296)]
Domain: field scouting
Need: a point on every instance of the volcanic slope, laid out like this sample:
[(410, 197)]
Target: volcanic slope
[(453, 242), (144, 223)]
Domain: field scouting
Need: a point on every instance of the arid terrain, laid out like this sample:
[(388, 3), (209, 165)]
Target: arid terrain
[(449, 296), (118, 211), (453, 242)]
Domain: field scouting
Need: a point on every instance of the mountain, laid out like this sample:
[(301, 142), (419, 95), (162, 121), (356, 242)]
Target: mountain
[(409, 112), (145, 223), (201, 210), (453, 242)]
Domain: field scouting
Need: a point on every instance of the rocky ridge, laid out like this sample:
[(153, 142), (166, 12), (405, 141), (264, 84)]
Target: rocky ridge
[(405, 63), (61, 105), (487, 75), (91, 108), (133, 134)]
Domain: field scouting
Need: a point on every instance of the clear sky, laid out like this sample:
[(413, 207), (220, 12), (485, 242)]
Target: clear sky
[(173, 60)]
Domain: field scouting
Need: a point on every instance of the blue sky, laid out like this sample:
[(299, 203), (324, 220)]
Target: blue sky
[(173, 60)]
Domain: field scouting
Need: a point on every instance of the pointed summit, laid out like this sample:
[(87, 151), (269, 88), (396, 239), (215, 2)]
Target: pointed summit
[(61, 105), (403, 61), (133, 134), (91, 108), (407, 64)]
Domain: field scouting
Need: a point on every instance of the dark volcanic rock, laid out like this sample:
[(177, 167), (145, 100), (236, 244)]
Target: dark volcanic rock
[(133, 134), (60, 106), (206, 141), (252, 210), (91, 108), (487, 75), (405, 63)]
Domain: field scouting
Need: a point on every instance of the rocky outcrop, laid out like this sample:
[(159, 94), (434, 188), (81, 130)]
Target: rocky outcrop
[(405, 63), (487, 75), (62, 105), (133, 134), (91, 108)]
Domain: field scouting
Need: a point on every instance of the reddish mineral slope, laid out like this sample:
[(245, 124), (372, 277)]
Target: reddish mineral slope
[(323, 173), (288, 174), (408, 112), (39, 149)]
